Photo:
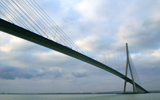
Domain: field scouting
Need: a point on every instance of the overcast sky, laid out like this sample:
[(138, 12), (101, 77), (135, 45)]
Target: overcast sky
[(100, 28)]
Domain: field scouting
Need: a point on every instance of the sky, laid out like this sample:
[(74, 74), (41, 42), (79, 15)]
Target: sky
[(101, 28)]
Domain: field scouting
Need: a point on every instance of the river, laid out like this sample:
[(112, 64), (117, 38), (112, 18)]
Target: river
[(148, 96)]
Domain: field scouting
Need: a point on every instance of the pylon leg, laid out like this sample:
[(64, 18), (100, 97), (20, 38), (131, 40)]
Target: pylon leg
[(128, 64), (125, 75)]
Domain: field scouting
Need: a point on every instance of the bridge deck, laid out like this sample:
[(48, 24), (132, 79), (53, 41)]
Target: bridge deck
[(35, 38)]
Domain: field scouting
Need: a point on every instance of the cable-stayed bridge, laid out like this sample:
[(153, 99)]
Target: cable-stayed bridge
[(25, 19)]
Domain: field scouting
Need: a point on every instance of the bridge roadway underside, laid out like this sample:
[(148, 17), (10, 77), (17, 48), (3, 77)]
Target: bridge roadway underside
[(35, 38)]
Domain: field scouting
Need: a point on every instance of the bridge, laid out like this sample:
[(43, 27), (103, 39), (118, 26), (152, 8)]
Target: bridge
[(8, 26)]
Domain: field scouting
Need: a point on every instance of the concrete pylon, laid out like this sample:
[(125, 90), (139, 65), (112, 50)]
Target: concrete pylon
[(129, 65)]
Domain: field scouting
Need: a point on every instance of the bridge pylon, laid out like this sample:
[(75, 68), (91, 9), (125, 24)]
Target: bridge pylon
[(129, 65)]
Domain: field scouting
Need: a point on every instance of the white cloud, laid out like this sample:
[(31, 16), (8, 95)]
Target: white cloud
[(99, 27), (156, 53), (87, 43), (92, 10)]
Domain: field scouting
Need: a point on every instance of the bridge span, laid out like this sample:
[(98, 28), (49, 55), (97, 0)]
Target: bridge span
[(18, 31)]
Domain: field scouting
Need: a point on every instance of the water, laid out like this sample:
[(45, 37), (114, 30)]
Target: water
[(149, 96)]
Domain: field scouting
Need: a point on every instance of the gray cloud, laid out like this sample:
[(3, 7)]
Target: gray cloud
[(112, 23), (12, 73), (57, 74), (79, 74), (143, 37)]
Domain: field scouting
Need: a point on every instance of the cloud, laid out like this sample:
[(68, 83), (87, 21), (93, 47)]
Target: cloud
[(140, 36), (11, 43), (79, 74), (11, 73), (99, 27)]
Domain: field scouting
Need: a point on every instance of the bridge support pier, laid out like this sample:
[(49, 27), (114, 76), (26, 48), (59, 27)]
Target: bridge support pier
[(129, 65)]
